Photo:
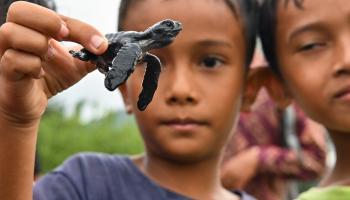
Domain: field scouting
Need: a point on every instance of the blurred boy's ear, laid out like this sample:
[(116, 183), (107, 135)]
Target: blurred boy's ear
[(260, 77), (126, 99)]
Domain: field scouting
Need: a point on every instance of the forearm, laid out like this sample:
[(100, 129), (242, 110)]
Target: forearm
[(17, 151), (240, 169), (305, 164), (305, 161)]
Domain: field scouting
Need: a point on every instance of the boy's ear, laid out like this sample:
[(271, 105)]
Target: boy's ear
[(127, 102), (263, 77)]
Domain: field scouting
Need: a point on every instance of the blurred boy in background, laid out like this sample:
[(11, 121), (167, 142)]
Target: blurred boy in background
[(261, 128), (184, 128)]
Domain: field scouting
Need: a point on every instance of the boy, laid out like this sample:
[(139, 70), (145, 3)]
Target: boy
[(279, 161), (184, 127), (307, 45)]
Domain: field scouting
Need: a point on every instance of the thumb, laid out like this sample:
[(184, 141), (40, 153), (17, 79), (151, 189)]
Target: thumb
[(279, 93), (254, 83)]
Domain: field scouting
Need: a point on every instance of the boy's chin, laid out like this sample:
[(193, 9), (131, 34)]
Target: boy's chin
[(337, 125), (342, 129), (188, 155)]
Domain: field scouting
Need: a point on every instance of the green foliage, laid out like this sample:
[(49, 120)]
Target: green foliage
[(61, 136)]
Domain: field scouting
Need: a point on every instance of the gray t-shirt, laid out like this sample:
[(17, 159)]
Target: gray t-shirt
[(93, 176)]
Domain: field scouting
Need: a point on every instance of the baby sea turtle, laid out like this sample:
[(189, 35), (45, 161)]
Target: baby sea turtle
[(128, 48)]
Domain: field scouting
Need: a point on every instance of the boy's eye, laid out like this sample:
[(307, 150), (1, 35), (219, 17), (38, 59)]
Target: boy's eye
[(211, 62), (311, 46)]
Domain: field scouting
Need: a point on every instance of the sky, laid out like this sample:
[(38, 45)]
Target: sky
[(91, 88)]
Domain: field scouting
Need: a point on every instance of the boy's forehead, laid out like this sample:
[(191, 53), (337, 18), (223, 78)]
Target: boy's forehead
[(202, 20), (145, 13), (291, 17), (178, 8), (296, 8)]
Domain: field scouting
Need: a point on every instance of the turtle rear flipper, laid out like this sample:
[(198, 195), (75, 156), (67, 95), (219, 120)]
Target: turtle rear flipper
[(150, 81), (122, 65)]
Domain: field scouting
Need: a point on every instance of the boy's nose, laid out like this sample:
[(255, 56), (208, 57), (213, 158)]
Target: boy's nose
[(181, 88), (342, 66)]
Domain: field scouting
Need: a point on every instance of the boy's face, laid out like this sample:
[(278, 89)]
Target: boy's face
[(313, 48), (200, 86)]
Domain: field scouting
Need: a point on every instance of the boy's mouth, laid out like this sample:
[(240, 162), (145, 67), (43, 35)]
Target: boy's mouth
[(343, 94), (184, 124)]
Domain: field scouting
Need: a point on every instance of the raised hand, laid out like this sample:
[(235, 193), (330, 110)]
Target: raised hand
[(34, 66)]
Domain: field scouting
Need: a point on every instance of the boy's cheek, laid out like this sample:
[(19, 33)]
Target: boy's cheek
[(314, 102)]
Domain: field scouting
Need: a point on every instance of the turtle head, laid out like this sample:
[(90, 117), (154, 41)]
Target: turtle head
[(164, 32)]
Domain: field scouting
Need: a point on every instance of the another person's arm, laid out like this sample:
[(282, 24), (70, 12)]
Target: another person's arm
[(256, 149), (286, 162), (240, 169)]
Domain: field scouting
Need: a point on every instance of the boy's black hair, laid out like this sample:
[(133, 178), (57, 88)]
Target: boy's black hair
[(267, 29), (5, 4), (247, 9)]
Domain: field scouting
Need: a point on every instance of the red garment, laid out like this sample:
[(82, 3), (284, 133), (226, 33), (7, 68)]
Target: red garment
[(278, 164)]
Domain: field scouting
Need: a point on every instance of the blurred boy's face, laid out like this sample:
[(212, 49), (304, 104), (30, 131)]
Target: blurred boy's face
[(313, 45), (199, 91)]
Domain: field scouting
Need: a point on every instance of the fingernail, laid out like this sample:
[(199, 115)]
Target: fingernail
[(97, 41), (64, 31)]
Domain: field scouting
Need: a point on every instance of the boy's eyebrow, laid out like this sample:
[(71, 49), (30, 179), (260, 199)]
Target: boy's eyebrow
[(313, 26), (213, 43)]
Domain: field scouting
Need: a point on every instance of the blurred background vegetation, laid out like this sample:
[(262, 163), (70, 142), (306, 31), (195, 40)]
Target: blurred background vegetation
[(60, 136)]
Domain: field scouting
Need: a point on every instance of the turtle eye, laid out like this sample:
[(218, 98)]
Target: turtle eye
[(169, 24), (159, 31)]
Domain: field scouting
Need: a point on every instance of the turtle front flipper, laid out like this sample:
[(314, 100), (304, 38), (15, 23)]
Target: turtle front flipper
[(122, 65), (150, 80), (83, 55)]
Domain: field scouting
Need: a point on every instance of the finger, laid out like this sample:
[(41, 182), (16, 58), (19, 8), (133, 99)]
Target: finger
[(71, 69), (57, 26), (249, 97), (16, 37), (16, 65), (61, 69), (254, 83), (38, 18)]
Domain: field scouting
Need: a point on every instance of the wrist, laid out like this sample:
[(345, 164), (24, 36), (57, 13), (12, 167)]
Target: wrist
[(11, 126), (20, 121)]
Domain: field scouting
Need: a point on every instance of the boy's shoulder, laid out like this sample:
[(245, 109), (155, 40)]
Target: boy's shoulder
[(326, 193), (243, 195), (91, 161), (99, 176)]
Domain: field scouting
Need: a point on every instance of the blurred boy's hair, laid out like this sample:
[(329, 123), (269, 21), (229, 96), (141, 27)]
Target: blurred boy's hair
[(267, 29)]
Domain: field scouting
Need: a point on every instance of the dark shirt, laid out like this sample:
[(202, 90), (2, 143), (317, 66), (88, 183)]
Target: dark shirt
[(91, 176)]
